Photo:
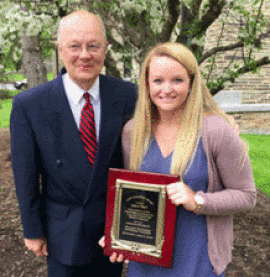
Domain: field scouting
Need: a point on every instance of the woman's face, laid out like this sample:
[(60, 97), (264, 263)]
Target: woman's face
[(169, 84)]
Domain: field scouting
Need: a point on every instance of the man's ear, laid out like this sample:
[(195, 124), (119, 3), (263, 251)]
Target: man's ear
[(106, 46), (59, 46), (60, 49)]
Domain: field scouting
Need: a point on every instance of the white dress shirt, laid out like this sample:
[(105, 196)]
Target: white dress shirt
[(76, 101)]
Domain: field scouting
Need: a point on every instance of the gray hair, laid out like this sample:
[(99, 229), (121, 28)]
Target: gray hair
[(60, 27)]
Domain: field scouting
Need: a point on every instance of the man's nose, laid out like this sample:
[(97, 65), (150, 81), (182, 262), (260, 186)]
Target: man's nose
[(85, 53)]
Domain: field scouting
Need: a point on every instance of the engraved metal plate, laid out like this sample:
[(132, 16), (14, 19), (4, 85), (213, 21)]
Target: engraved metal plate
[(138, 220)]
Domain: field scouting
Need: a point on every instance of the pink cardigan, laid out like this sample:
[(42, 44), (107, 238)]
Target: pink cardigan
[(231, 186)]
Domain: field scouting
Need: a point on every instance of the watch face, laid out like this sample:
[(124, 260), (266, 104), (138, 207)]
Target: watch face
[(199, 199)]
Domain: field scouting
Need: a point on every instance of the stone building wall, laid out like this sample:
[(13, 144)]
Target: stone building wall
[(255, 88), (253, 123)]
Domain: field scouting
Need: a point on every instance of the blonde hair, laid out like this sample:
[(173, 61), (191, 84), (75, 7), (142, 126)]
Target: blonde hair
[(199, 103)]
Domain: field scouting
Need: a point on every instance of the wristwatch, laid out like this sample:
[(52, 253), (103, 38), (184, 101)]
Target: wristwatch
[(199, 201)]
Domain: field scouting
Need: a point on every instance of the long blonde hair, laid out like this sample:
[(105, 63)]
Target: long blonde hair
[(199, 102)]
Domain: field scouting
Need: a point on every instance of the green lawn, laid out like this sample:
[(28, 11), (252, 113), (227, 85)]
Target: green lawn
[(259, 152), (50, 76), (5, 109), (12, 77)]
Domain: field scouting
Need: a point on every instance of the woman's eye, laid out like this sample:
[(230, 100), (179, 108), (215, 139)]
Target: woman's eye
[(157, 81), (178, 80)]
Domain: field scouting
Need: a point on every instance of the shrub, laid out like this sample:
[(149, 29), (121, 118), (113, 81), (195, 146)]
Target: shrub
[(5, 94)]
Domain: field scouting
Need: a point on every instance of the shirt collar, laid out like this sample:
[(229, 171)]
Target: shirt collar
[(75, 93)]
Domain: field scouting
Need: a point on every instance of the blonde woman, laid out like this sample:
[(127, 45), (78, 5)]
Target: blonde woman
[(177, 128)]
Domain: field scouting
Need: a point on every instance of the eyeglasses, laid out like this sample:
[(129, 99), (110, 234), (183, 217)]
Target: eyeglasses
[(90, 48)]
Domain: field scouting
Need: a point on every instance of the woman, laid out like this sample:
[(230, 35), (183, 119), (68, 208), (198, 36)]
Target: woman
[(177, 128)]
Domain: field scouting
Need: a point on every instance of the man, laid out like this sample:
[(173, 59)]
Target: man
[(63, 217)]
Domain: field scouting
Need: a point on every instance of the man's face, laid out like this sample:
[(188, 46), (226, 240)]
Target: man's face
[(82, 48)]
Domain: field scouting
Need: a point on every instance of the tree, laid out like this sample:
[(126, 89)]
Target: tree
[(20, 29), (143, 24), (134, 26), (26, 39), (28, 30)]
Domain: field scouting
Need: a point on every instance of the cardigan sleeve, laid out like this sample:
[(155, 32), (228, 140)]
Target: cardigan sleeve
[(231, 184)]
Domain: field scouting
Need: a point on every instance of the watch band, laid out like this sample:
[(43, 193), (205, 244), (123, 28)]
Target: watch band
[(199, 203), (198, 208)]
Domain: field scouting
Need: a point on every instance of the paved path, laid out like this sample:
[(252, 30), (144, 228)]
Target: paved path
[(7, 86), (254, 132)]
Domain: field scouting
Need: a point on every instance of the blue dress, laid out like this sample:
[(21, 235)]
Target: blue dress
[(190, 257)]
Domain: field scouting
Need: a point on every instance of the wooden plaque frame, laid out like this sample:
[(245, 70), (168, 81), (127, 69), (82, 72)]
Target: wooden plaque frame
[(140, 219)]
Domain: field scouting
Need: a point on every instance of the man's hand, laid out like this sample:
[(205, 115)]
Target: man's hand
[(113, 258), (38, 246)]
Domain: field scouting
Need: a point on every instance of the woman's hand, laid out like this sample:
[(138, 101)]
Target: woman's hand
[(181, 194), (113, 258)]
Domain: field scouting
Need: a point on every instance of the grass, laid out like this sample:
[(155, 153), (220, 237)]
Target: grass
[(13, 77), (5, 110), (259, 153), (50, 76)]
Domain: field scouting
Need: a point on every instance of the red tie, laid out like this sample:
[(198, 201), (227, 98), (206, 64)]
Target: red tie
[(88, 130)]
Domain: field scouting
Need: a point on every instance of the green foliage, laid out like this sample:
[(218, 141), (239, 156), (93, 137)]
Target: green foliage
[(4, 94), (252, 27), (13, 77), (3, 77), (18, 22), (132, 18)]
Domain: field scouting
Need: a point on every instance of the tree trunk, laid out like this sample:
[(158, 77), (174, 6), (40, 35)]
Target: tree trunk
[(33, 64)]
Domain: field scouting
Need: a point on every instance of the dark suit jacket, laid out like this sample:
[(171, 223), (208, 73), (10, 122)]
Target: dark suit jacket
[(69, 207)]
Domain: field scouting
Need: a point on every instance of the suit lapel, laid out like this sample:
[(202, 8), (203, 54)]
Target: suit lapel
[(111, 114), (110, 128), (67, 133), (68, 141)]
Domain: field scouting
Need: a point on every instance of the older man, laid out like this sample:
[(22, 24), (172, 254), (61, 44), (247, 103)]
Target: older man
[(65, 134)]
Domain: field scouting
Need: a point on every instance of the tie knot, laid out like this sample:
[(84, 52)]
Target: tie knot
[(86, 96)]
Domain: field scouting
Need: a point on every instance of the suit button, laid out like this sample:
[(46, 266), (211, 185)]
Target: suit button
[(58, 163)]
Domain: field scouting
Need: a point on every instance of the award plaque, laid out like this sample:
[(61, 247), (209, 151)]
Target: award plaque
[(140, 219)]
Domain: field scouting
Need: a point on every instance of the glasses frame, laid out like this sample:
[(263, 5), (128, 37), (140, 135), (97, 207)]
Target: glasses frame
[(91, 48)]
